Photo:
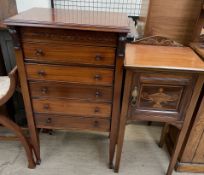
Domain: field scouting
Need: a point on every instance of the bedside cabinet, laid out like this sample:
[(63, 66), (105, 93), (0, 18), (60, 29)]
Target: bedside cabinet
[(70, 65), (161, 84)]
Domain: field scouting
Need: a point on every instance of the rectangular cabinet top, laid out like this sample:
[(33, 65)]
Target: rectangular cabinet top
[(71, 19), (162, 57)]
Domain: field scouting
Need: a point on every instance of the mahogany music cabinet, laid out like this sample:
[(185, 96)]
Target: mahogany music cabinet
[(162, 84), (70, 66)]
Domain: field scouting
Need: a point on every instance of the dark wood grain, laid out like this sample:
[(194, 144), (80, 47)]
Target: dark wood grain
[(70, 91), (72, 107), (161, 97), (117, 97), (72, 65), (26, 96), (62, 36), (164, 95), (188, 117), (76, 123), (149, 89), (72, 19), (70, 54), (123, 118), (84, 75)]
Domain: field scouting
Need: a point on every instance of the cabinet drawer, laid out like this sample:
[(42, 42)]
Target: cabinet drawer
[(74, 74), (72, 107), (161, 95), (61, 36), (70, 54), (70, 91), (65, 122)]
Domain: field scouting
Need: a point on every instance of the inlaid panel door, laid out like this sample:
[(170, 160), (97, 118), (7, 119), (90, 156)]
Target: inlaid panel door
[(163, 95)]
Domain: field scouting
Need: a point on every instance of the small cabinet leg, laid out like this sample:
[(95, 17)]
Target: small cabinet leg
[(149, 123), (123, 120), (186, 123), (175, 154), (163, 135)]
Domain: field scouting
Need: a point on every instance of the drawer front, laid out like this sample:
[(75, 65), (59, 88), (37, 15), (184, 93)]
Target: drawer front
[(162, 95), (72, 107), (70, 91), (61, 36), (70, 54), (64, 122), (74, 74)]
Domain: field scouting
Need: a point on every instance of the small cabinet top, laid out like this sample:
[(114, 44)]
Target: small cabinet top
[(162, 57), (71, 19)]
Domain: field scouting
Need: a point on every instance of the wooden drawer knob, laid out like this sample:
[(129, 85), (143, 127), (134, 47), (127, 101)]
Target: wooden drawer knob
[(46, 106), (98, 94), (44, 90), (98, 57), (41, 73), (39, 52), (96, 110), (49, 120), (97, 77), (96, 123)]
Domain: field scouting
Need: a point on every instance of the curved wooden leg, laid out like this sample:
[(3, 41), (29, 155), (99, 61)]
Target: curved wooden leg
[(17, 130)]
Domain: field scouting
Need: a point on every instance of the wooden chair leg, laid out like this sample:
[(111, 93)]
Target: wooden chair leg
[(163, 135), (17, 130)]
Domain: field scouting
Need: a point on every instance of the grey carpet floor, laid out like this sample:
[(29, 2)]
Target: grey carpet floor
[(86, 153)]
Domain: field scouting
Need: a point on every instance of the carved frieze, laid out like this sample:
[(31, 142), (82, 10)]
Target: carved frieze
[(158, 41)]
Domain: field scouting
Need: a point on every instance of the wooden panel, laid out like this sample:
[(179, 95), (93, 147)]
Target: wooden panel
[(60, 36), (165, 78), (160, 97), (162, 57), (190, 167), (195, 134), (64, 90), (72, 107), (199, 155), (63, 53), (64, 122), (7, 9), (85, 75), (72, 19), (173, 19)]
